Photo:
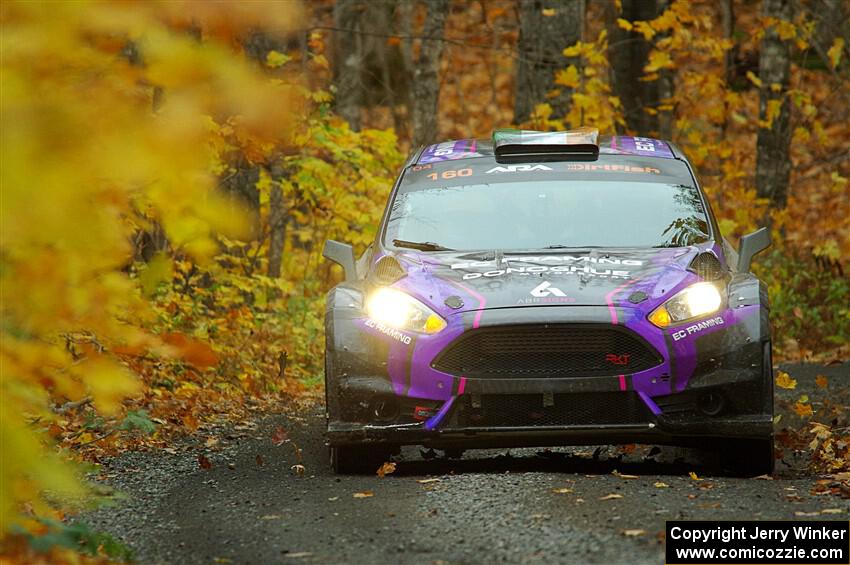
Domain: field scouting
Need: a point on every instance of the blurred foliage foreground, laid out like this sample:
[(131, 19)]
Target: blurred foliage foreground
[(138, 298)]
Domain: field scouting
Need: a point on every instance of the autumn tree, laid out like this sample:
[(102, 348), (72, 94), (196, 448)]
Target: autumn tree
[(546, 28), (773, 163), (628, 53), (426, 80)]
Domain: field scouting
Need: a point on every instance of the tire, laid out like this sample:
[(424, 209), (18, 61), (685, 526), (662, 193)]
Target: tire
[(752, 457), (358, 460)]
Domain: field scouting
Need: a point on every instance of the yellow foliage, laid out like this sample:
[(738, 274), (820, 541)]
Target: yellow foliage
[(94, 146), (835, 51)]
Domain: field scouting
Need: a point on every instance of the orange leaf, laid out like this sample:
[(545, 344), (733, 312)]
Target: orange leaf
[(204, 461), (821, 381), (191, 350), (803, 410), (385, 469)]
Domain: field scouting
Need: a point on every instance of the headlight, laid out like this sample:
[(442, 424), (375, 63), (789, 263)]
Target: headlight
[(401, 311), (697, 300)]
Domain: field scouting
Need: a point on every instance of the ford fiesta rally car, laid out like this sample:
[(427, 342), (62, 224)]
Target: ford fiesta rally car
[(548, 289)]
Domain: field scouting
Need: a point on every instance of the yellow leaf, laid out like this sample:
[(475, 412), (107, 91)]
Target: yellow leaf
[(693, 476), (624, 24), (549, 12), (276, 59), (784, 380), (364, 494), (562, 490), (634, 533), (568, 77), (835, 51), (611, 497), (754, 79), (645, 29), (660, 484), (658, 60)]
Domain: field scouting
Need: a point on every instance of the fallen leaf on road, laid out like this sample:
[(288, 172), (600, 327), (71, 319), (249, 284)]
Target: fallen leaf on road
[(204, 461), (298, 554), (270, 517), (426, 481), (821, 381), (633, 533), (297, 469), (693, 476), (803, 410), (259, 459), (806, 513), (333, 498), (211, 442), (764, 478), (622, 475), (611, 496), (659, 484), (784, 380), (279, 436), (385, 469), (709, 505), (364, 494), (832, 511), (562, 490)]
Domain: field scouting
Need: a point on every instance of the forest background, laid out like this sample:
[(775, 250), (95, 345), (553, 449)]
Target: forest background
[(171, 170)]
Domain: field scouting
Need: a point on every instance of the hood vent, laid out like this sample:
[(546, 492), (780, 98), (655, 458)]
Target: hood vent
[(388, 270), (707, 266)]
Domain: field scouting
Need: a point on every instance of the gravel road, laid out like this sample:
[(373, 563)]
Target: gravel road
[(520, 506)]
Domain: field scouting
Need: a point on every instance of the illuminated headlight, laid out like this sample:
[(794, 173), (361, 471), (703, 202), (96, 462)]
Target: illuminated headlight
[(696, 301), (401, 311)]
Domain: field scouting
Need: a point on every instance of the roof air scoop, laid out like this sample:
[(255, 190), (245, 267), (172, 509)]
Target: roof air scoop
[(527, 146)]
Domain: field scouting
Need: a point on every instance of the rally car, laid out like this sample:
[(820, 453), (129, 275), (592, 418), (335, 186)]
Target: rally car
[(546, 289)]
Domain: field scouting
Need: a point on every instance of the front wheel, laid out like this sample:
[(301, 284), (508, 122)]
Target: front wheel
[(752, 457)]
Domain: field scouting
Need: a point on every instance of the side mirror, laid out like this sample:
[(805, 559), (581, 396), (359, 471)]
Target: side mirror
[(751, 244), (343, 255)]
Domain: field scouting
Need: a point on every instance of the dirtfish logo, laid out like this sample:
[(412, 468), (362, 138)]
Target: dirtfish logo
[(518, 169)]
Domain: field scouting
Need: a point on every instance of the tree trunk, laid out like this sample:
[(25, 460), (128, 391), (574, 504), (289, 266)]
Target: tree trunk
[(277, 224), (426, 80), (628, 54), (348, 60), (546, 28), (773, 163)]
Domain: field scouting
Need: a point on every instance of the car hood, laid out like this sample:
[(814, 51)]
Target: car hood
[(633, 277)]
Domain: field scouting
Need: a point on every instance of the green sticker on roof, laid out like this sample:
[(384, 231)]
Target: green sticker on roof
[(512, 146)]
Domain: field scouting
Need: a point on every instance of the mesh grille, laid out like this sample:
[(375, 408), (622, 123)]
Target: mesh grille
[(707, 266), (575, 409), (388, 270), (571, 350)]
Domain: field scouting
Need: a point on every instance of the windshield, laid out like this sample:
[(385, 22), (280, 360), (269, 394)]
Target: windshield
[(549, 214)]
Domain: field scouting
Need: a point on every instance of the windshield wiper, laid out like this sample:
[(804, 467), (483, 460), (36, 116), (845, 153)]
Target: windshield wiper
[(558, 246), (421, 245)]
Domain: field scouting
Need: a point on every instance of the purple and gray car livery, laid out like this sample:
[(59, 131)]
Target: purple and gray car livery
[(545, 347)]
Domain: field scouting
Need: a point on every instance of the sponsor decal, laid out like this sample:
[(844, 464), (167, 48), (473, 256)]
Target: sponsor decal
[(644, 146), (518, 169), (697, 328), (568, 259), (546, 289), (556, 270), (545, 293), (593, 167), (388, 331), (449, 151), (615, 359)]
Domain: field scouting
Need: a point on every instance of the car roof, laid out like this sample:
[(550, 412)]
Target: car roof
[(458, 149)]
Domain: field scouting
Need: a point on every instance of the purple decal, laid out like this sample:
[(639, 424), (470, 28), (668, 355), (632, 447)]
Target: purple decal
[(644, 146), (449, 151)]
